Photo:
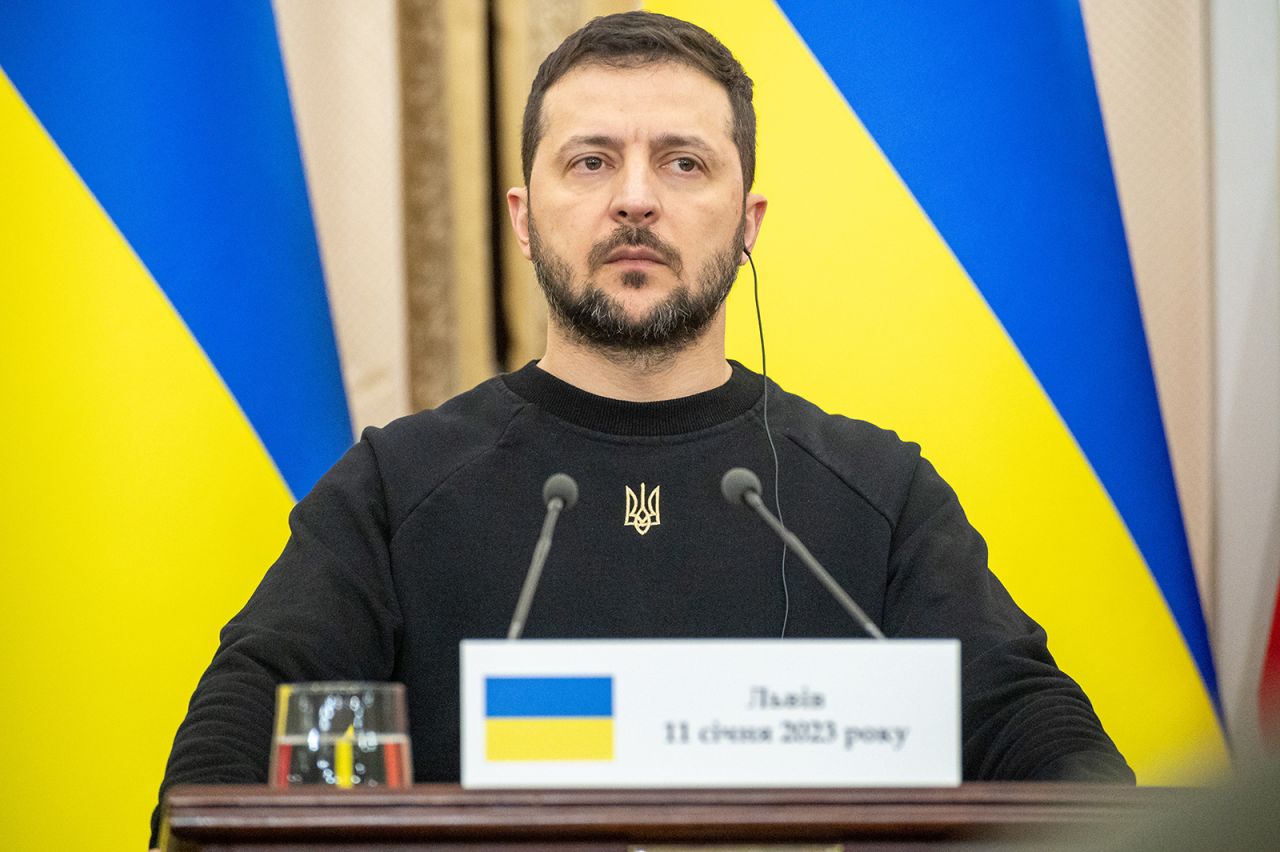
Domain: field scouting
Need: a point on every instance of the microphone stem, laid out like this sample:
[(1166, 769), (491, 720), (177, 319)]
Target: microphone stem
[(855, 612), (540, 551)]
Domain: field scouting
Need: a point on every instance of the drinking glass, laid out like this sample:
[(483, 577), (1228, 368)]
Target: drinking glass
[(349, 735)]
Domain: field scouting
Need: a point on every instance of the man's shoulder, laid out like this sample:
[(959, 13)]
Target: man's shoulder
[(872, 460), (416, 452), (485, 408)]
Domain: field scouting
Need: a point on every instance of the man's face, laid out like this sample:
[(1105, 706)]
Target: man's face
[(634, 216)]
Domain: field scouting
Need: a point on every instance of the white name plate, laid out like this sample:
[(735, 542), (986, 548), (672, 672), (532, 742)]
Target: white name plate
[(710, 713)]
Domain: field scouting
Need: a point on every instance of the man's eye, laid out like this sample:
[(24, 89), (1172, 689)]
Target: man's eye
[(686, 164), (591, 164)]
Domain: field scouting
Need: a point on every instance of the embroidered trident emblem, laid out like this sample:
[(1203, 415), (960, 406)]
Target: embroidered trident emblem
[(642, 511)]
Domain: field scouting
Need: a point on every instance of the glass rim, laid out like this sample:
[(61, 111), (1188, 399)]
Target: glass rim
[(340, 685)]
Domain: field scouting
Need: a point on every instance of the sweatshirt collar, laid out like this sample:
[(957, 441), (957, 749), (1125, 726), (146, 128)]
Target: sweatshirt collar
[(619, 417)]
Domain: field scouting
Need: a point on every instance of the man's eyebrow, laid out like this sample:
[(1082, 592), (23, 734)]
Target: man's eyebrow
[(591, 140), (678, 140), (664, 141)]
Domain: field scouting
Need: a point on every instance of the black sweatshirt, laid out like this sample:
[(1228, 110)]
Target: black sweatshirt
[(421, 534)]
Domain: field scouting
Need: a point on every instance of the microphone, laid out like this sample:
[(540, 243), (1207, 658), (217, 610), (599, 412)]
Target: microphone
[(742, 487), (558, 493)]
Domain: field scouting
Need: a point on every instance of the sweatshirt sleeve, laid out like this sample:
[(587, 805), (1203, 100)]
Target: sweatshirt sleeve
[(326, 610), (1022, 717)]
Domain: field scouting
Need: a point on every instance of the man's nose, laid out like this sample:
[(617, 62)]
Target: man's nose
[(635, 201)]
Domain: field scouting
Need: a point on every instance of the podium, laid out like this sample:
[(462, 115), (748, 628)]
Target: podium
[(1001, 815)]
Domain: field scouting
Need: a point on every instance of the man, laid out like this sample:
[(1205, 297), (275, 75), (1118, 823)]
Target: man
[(638, 150)]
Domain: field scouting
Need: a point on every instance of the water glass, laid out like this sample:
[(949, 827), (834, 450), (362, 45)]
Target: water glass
[(348, 735)]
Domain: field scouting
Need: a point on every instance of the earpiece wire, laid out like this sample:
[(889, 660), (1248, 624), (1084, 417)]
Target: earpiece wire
[(777, 501)]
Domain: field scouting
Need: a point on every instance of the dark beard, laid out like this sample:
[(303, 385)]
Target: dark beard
[(596, 319)]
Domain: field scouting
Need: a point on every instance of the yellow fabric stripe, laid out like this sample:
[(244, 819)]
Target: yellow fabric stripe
[(137, 508), (548, 739), (867, 313)]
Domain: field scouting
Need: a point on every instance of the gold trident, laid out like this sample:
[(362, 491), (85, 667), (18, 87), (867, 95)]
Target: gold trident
[(642, 511)]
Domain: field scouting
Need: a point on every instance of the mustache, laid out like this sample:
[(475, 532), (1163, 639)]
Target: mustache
[(641, 237)]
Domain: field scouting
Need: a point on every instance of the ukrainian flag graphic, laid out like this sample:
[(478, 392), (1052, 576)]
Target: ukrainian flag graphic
[(944, 256), (548, 718), (170, 381)]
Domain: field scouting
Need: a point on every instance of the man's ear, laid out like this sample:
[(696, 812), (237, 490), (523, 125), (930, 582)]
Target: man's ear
[(518, 208), (753, 212)]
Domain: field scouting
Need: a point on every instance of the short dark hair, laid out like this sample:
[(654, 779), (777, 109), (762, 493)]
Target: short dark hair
[(635, 39)]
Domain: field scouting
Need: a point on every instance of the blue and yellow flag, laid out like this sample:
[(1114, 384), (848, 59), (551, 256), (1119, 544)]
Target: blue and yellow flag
[(548, 718), (944, 256), (170, 378)]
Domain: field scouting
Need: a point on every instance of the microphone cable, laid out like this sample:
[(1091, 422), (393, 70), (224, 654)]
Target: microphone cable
[(777, 502)]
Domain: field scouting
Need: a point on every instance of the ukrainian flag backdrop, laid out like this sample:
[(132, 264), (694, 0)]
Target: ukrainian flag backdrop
[(944, 256), (170, 380)]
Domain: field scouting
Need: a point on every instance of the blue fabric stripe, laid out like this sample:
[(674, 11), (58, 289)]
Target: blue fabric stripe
[(548, 696), (988, 112), (177, 117)]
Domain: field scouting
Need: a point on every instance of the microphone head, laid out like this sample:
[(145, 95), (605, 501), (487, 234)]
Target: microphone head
[(560, 485), (737, 483)]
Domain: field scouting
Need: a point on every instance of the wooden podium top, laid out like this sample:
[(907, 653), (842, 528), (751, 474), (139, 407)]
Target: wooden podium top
[(439, 816)]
